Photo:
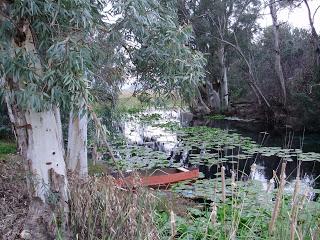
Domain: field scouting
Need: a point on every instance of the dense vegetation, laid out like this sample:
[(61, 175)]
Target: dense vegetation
[(242, 63), (62, 66)]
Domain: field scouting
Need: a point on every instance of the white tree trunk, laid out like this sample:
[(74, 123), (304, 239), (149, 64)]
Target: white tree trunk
[(224, 78), (278, 66), (57, 115), (40, 142), (224, 89), (77, 161), (45, 155)]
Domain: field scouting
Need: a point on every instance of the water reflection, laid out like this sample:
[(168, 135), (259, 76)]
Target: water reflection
[(168, 141)]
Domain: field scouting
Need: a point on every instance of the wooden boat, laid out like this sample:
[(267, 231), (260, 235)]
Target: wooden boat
[(159, 177)]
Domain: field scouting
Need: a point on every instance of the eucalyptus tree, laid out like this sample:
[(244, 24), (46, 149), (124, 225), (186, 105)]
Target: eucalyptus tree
[(296, 51), (158, 48), (315, 34), (274, 8), (44, 54), (214, 23), (49, 61)]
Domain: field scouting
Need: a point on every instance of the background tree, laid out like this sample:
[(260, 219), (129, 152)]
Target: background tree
[(274, 8), (215, 22)]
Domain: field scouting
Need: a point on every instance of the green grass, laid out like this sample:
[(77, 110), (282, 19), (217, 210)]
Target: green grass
[(96, 170), (216, 117), (7, 148), (130, 105)]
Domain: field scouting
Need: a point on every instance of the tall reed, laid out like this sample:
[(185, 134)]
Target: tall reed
[(101, 210), (278, 201), (295, 205), (223, 182)]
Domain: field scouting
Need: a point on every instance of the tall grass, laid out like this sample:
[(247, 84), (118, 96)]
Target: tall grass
[(101, 210)]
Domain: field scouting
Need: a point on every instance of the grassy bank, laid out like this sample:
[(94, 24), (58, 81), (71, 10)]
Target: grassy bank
[(7, 147)]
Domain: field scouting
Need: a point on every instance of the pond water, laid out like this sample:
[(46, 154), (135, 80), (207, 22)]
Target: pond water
[(288, 138), (156, 139)]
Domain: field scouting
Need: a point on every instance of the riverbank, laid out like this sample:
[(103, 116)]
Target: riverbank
[(277, 119), (231, 209)]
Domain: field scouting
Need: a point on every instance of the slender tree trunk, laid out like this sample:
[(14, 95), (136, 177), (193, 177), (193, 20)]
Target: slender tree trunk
[(224, 78), (77, 161), (95, 156), (315, 36), (224, 89), (278, 66), (252, 80)]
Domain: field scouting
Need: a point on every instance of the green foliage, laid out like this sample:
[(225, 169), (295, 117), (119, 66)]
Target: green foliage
[(129, 105), (215, 20), (149, 118), (54, 72), (75, 49), (159, 52), (172, 126)]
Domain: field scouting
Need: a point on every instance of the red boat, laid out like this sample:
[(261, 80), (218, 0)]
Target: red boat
[(159, 177)]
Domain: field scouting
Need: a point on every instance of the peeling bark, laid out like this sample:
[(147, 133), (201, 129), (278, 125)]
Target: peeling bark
[(77, 161), (20, 126), (45, 154), (47, 176)]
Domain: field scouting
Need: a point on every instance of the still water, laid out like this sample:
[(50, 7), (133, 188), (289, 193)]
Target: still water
[(160, 139)]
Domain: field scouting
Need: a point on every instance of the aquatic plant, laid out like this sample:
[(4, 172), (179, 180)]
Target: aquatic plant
[(200, 146), (247, 212)]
